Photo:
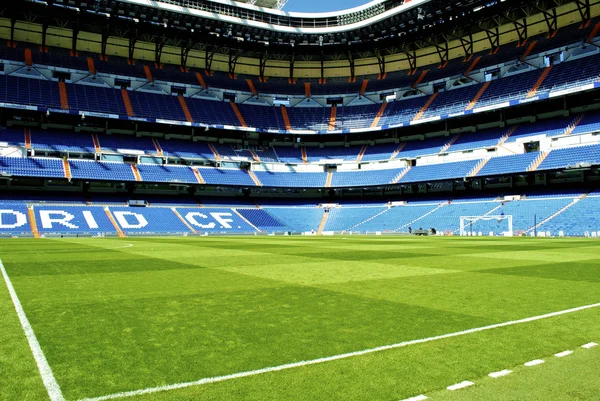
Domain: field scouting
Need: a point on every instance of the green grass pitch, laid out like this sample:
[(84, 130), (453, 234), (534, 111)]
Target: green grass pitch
[(112, 318)]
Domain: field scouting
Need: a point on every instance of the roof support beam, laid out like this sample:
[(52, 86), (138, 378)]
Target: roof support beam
[(44, 33), (380, 63), (411, 56), (208, 58), (551, 20), (132, 43), (584, 11), (158, 49), (521, 28), (233, 59), (105, 36), (262, 65), (185, 51), (351, 65), (75, 34), (494, 38), (292, 62)]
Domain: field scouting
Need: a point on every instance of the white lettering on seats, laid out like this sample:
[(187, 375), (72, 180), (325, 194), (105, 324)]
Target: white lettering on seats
[(20, 219), (89, 219), (64, 218), (220, 218), (191, 218), (141, 220)]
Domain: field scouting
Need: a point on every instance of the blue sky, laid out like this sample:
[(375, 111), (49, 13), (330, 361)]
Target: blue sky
[(315, 6)]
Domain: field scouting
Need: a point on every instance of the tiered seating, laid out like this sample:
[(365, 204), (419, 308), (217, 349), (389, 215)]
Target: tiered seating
[(95, 99), (32, 167), (508, 164), (288, 154), (380, 152), (161, 173), (589, 123), (152, 105), (14, 218), (430, 146), (297, 219), (262, 219), (186, 149), (553, 127), (29, 91), (315, 154), (292, 180), (344, 218), (62, 141), (483, 139), (218, 176), (563, 158), (72, 220), (439, 171), (94, 170), (122, 143), (13, 136), (364, 178)]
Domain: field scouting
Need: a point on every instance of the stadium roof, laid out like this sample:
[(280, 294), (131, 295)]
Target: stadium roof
[(276, 4)]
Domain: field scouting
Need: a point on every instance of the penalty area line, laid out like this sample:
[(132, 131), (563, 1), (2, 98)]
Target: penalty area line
[(216, 379), (54, 391)]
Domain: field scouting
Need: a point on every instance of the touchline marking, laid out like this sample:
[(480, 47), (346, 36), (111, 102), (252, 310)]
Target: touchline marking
[(45, 371), (417, 398), (564, 353), (589, 345), (534, 362), (496, 375), (333, 358), (460, 385)]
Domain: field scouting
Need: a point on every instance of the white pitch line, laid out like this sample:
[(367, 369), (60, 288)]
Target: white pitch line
[(417, 398), (52, 386), (534, 362), (216, 379), (460, 385), (589, 345), (496, 375), (564, 353)]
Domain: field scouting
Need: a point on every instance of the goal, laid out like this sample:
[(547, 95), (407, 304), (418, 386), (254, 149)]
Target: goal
[(498, 224)]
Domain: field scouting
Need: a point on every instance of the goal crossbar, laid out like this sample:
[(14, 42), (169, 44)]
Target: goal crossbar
[(467, 222)]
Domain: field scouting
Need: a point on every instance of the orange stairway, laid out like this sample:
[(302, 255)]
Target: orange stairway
[(379, 115), (307, 89), (97, 147), (539, 82), (67, 169), (33, 222), (148, 73), (186, 111), (421, 78), (332, 117), (304, 156), (212, 149), (594, 32), (251, 87), (198, 176), (28, 57), (363, 87), (400, 175), (425, 107), (323, 222), (329, 179), (361, 154), (120, 232), (180, 217), (27, 138), (472, 66), (255, 178), (398, 150), (528, 50), (286, 118), (238, 114), (127, 102), (539, 160), (157, 146), (573, 125), (201, 81), (64, 99), (91, 66), (478, 95), (136, 173)]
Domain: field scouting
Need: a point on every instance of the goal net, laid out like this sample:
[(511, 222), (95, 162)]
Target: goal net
[(498, 225)]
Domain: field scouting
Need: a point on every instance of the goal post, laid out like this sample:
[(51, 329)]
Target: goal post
[(471, 225)]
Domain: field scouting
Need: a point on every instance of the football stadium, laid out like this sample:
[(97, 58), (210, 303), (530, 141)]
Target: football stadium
[(256, 200)]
